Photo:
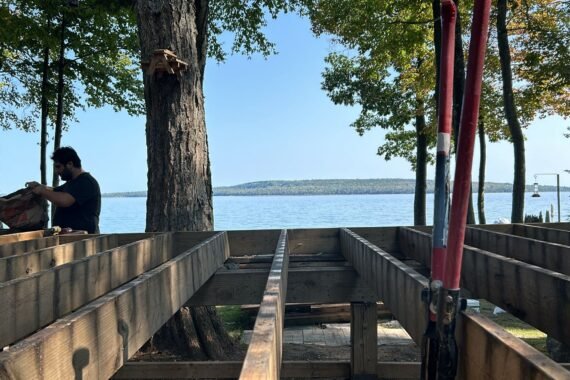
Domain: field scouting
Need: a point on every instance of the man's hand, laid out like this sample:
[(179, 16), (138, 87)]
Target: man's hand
[(36, 187)]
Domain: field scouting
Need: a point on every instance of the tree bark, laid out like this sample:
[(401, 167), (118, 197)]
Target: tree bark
[(179, 180), (482, 163), (44, 122), (60, 99), (421, 172), (517, 214), (458, 90)]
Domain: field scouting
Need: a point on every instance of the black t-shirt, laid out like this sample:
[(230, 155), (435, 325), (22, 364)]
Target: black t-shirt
[(84, 213)]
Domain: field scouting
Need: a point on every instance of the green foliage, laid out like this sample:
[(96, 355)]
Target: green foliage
[(388, 71), (244, 21), (101, 58)]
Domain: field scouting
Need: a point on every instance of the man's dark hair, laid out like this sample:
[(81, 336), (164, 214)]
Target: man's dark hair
[(66, 154)]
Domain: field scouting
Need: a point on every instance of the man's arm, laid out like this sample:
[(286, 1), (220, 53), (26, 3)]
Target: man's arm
[(58, 198)]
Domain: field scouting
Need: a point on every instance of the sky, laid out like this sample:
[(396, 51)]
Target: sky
[(267, 119)]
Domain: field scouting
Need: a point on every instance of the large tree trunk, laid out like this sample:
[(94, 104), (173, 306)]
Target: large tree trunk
[(421, 172), (179, 180), (482, 163), (517, 214), (458, 90)]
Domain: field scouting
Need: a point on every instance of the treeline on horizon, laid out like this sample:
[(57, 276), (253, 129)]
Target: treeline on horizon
[(337, 187)]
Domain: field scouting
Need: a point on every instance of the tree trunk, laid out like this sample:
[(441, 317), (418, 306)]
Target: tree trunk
[(436, 10), (421, 172), (458, 77), (60, 99), (44, 123), (179, 180), (482, 163), (458, 90), (517, 214)]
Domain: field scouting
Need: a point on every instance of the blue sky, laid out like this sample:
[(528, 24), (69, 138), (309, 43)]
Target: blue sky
[(267, 119)]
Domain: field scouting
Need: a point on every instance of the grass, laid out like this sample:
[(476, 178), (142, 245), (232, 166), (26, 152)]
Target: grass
[(515, 326), (235, 320)]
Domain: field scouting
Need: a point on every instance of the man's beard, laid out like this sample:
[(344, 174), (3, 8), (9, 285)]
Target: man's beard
[(66, 174)]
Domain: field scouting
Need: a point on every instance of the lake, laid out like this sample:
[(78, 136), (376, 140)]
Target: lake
[(314, 211)]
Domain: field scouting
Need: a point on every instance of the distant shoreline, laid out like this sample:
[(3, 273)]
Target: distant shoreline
[(335, 187)]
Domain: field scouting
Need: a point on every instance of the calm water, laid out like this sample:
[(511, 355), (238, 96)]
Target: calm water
[(256, 212)]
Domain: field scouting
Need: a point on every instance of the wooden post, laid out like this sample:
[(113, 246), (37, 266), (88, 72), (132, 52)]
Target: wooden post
[(363, 340)]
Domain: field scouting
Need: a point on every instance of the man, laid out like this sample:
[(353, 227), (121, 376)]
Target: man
[(78, 201)]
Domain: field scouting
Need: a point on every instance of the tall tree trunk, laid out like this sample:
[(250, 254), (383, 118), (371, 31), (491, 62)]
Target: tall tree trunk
[(179, 180), (60, 98), (421, 172), (517, 214), (436, 11), (458, 77), (482, 163), (44, 123), (458, 90)]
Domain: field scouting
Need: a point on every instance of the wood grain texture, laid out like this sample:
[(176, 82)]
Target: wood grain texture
[(96, 340), (552, 256), (543, 233), (396, 284), (37, 300), (536, 295), (21, 236), (264, 354), (290, 369), (32, 262), (24, 246), (245, 286), (488, 352), (363, 340)]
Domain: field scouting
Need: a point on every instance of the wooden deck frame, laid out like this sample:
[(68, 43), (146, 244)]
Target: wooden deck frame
[(263, 357), (479, 338), (21, 236), (231, 369), (245, 286), (551, 256), (96, 340), (12, 267), (396, 284), (542, 232), (522, 286), (20, 247), (39, 299)]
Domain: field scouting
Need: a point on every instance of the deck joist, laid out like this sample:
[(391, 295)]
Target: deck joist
[(81, 306)]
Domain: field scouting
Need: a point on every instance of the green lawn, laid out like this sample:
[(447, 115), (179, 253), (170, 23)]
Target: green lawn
[(515, 326)]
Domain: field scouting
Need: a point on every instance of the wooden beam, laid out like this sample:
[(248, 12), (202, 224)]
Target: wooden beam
[(314, 240), (385, 238), (230, 369), (37, 300), (538, 296), (542, 233), (246, 243), (96, 340), (559, 226), (28, 263), (20, 247), (264, 354), (396, 284), (21, 236), (363, 340), (487, 351), (552, 256), (245, 286)]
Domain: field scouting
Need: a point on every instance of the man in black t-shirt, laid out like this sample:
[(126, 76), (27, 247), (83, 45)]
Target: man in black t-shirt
[(78, 201)]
